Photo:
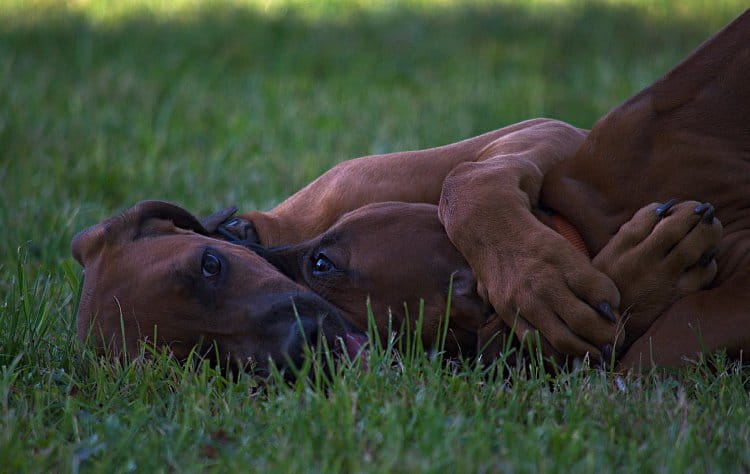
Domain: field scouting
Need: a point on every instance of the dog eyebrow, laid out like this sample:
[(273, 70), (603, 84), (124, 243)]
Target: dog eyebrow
[(178, 274), (180, 271), (330, 239)]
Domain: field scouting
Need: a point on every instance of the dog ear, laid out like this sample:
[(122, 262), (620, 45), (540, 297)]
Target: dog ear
[(129, 226), (86, 243), (145, 210)]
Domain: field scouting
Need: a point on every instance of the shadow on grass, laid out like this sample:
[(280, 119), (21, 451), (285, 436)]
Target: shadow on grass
[(572, 47), (568, 48)]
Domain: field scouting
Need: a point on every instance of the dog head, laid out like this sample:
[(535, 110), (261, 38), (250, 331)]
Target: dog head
[(152, 274), (398, 257)]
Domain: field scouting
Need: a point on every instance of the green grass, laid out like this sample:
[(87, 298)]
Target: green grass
[(104, 103)]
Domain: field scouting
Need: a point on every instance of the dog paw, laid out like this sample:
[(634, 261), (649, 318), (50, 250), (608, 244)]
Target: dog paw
[(665, 252), (550, 287)]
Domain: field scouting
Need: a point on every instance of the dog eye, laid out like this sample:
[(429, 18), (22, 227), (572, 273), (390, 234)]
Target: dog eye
[(322, 264), (210, 264)]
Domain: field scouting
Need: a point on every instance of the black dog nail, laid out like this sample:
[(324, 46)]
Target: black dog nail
[(606, 310), (701, 208), (708, 212), (607, 353), (706, 258), (708, 217), (662, 210)]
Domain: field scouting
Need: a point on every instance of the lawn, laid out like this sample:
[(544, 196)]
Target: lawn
[(105, 103)]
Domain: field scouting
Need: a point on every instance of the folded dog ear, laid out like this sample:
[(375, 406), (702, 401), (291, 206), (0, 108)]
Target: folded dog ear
[(86, 243), (181, 218), (129, 226)]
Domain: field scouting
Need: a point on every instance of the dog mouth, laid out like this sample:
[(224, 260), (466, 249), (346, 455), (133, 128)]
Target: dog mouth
[(320, 326), (340, 338), (355, 345), (344, 347)]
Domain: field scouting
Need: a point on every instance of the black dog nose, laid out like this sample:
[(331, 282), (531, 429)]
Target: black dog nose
[(312, 305), (307, 328), (309, 317), (316, 315)]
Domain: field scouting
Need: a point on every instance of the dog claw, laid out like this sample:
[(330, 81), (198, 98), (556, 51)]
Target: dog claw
[(707, 210), (662, 210), (706, 258), (606, 310), (238, 231), (606, 354)]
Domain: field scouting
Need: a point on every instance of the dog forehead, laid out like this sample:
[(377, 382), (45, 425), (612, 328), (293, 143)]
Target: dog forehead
[(394, 218)]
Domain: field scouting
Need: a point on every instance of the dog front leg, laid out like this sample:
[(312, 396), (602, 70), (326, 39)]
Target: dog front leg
[(412, 176), (532, 276)]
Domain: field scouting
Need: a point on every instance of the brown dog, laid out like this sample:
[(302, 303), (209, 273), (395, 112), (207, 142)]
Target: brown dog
[(396, 257), (685, 137), (177, 287), (151, 274)]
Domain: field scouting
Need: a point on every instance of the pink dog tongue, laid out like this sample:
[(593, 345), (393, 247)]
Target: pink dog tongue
[(354, 344)]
